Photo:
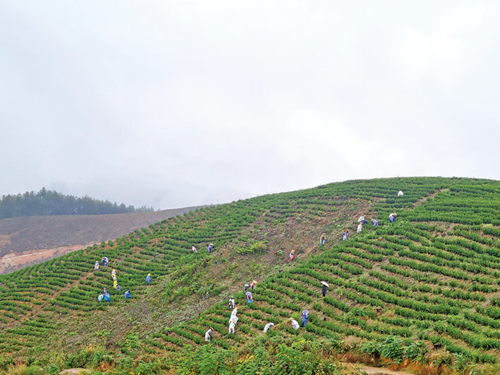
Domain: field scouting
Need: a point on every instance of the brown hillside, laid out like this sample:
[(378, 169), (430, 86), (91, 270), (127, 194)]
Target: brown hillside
[(25, 241)]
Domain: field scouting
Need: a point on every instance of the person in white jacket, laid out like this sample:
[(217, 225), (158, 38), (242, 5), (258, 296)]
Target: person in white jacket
[(267, 326), (208, 335), (295, 325), (400, 193), (231, 328), (360, 227)]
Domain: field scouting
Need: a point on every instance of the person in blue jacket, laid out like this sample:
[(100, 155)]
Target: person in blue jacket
[(148, 278), (127, 294), (107, 297), (305, 316)]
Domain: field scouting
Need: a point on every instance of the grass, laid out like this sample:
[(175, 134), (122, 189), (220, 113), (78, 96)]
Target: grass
[(430, 277)]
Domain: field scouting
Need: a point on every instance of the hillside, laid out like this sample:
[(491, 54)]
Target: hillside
[(420, 293), (25, 241)]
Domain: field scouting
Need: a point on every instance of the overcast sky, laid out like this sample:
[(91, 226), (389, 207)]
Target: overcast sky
[(180, 103)]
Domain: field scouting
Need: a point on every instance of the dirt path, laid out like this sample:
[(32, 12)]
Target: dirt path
[(75, 371), (16, 260), (368, 370), (420, 201)]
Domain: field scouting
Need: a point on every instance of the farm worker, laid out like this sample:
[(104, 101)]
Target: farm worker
[(113, 273), (252, 284), (345, 235), (231, 303), (400, 193), (267, 326), (96, 266), (115, 284), (323, 290), (295, 325), (210, 247), (392, 217), (127, 294), (235, 311), (105, 291), (234, 319), (375, 223), (231, 328), (362, 220), (194, 249), (100, 297), (246, 287), (148, 278), (118, 288), (104, 261), (292, 255), (305, 316), (360, 227), (107, 297), (249, 297), (208, 335), (322, 239)]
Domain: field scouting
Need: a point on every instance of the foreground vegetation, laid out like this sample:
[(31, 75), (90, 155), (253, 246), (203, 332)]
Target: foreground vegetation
[(420, 292)]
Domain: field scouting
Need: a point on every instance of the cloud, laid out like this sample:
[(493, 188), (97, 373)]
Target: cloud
[(420, 49), (171, 103)]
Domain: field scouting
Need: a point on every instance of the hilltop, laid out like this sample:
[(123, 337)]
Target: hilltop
[(420, 293), (25, 241)]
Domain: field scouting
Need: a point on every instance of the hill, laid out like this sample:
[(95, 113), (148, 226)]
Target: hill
[(420, 293), (25, 241)]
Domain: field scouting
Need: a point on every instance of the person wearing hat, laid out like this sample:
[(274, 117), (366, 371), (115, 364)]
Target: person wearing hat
[(322, 239), (323, 290), (148, 278), (267, 326), (345, 235), (292, 255), (208, 335), (249, 297)]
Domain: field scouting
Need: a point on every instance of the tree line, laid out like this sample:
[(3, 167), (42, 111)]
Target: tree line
[(48, 202)]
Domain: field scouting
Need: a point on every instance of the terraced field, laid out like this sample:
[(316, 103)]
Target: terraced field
[(429, 282)]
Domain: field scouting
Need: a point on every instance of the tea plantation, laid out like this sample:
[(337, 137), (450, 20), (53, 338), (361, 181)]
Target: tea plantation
[(422, 291)]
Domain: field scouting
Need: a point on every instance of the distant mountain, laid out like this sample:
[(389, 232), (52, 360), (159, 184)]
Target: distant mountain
[(49, 202)]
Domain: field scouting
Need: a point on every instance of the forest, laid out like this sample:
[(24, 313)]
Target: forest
[(49, 202)]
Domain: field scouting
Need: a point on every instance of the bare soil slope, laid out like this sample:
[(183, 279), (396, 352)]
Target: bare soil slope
[(25, 241)]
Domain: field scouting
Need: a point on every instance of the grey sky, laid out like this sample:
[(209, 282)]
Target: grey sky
[(181, 103)]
